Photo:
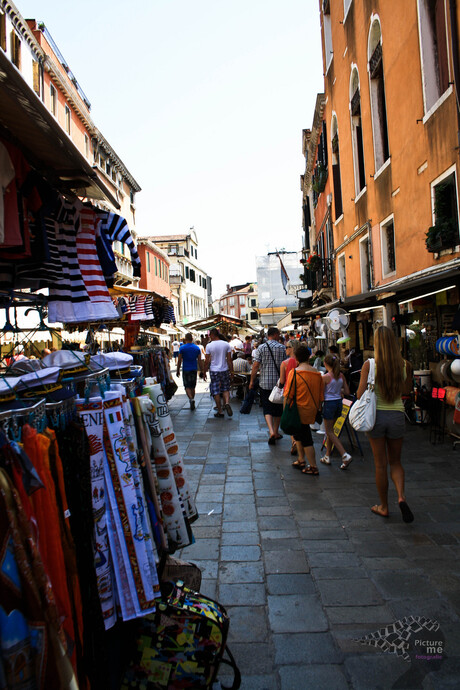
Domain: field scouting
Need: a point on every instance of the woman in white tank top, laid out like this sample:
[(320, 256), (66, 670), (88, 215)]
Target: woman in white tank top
[(335, 383)]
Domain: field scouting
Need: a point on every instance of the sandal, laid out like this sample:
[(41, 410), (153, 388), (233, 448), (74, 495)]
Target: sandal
[(299, 465), (376, 509), (294, 449), (325, 460), (311, 470)]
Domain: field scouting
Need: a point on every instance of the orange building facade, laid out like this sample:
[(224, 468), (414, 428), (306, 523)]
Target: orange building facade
[(380, 189), (155, 268)]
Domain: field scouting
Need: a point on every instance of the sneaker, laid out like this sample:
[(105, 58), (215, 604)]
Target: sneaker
[(192, 404), (325, 460), (346, 459), (228, 409)]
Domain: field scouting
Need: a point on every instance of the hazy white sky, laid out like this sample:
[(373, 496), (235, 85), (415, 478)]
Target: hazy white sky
[(205, 102)]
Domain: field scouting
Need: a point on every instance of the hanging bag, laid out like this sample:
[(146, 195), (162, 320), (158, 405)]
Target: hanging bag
[(363, 412), (182, 645), (290, 419)]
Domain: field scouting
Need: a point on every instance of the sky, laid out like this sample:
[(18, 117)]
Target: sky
[(205, 103)]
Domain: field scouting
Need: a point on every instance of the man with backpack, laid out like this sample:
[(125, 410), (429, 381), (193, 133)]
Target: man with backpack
[(267, 361)]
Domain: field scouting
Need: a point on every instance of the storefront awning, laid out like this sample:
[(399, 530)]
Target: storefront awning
[(44, 143)]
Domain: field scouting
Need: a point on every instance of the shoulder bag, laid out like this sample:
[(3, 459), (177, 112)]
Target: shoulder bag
[(290, 418), (363, 411)]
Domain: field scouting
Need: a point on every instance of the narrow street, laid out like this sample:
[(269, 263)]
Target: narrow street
[(305, 569)]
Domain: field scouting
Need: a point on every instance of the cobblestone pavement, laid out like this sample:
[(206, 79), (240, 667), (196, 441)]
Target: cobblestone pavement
[(305, 569)]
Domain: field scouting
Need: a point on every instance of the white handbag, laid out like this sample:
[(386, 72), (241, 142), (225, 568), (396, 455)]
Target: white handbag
[(276, 396), (363, 411)]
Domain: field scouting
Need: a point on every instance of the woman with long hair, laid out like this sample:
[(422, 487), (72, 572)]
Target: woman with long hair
[(285, 368), (392, 377), (309, 393), (334, 385)]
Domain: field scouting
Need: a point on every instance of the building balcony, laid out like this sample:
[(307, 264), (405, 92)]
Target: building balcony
[(323, 277), (176, 279)]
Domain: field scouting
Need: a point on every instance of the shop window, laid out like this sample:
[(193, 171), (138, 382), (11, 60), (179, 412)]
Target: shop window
[(377, 95), (365, 264), (387, 241), (433, 49), (342, 276), (357, 132), (68, 118), (3, 31), (336, 179), (15, 46)]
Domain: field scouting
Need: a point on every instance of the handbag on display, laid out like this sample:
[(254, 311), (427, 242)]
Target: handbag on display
[(276, 396), (181, 645), (290, 419), (363, 411)]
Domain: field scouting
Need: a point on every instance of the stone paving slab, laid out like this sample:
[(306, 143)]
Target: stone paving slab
[(302, 565)]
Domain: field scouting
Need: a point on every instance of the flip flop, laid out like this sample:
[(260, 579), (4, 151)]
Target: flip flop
[(278, 437), (407, 514), (375, 509), (272, 440)]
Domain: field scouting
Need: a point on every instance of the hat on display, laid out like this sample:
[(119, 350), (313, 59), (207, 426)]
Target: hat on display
[(70, 361), (39, 382), (115, 362), (455, 370), (26, 365)]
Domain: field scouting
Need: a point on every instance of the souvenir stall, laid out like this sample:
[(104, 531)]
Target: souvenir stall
[(93, 490)]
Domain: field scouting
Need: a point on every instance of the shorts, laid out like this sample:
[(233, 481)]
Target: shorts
[(273, 409), (175, 355), (388, 424), (220, 382), (189, 379), (304, 436), (332, 408)]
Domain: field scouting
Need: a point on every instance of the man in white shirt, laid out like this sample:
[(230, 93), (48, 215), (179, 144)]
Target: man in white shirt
[(175, 349), (220, 366), (236, 343)]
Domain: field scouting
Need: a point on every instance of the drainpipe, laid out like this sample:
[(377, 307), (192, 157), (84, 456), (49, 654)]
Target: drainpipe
[(455, 61)]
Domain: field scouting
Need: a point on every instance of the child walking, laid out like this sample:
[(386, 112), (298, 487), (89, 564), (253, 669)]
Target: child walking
[(334, 384)]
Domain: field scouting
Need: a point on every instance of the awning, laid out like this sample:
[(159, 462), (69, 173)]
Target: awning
[(44, 143), (298, 314)]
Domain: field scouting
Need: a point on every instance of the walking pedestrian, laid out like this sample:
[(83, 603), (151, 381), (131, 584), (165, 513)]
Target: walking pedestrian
[(220, 366), (335, 385), (267, 360), (285, 368), (189, 357), (175, 348), (393, 377), (308, 390)]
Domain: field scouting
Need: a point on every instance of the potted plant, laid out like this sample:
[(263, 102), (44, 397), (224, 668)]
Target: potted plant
[(319, 179), (314, 262)]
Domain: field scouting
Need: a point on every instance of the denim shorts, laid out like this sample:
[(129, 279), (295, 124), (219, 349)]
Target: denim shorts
[(332, 408), (388, 424)]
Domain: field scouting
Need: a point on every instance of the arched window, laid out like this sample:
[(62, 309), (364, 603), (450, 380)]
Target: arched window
[(377, 94), (356, 131), (433, 50), (336, 179)]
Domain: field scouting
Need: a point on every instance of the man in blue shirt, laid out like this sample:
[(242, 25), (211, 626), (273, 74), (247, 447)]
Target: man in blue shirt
[(190, 359)]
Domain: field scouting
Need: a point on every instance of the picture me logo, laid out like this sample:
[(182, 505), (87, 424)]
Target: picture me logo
[(413, 639)]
